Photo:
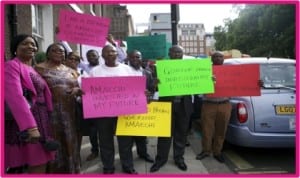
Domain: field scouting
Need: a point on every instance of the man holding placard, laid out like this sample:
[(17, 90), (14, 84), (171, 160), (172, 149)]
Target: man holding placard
[(181, 111), (135, 62), (215, 116), (107, 125)]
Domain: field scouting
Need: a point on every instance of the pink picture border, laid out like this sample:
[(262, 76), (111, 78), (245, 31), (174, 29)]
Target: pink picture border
[(2, 15)]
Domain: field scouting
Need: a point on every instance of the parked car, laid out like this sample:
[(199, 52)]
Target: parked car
[(268, 120)]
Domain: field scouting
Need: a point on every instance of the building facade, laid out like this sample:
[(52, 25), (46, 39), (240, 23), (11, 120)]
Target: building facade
[(160, 23), (121, 25), (210, 43), (191, 36)]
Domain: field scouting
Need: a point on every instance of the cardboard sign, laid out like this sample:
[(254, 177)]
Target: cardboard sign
[(184, 77), (113, 96), (82, 28), (151, 47), (236, 80), (156, 122)]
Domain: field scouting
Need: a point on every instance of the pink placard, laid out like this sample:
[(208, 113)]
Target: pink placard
[(82, 28), (236, 80), (113, 96)]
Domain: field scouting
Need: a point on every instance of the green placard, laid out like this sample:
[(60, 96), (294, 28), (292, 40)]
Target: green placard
[(151, 47), (184, 77), (168, 46)]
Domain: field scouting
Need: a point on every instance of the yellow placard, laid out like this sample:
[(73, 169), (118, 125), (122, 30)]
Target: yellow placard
[(156, 122)]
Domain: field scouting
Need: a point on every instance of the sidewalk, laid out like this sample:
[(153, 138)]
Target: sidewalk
[(142, 167)]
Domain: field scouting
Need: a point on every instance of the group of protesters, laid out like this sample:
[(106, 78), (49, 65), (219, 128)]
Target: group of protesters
[(44, 118)]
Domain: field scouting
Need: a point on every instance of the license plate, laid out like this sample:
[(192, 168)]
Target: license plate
[(285, 109), (292, 124)]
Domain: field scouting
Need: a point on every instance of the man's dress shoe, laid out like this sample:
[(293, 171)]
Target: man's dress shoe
[(181, 165)]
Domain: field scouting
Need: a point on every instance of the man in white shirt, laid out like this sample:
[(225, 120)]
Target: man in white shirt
[(107, 125)]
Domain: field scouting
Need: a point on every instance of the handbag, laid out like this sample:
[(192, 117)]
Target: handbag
[(49, 145), (8, 114)]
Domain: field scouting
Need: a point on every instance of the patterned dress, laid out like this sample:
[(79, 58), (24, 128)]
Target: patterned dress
[(19, 153), (63, 116)]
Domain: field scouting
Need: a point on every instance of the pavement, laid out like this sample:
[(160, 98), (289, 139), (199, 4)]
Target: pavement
[(206, 166)]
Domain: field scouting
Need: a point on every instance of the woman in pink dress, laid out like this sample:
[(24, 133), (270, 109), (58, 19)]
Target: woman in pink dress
[(28, 98)]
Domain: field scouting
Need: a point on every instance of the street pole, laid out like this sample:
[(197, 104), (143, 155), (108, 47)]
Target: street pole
[(174, 21)]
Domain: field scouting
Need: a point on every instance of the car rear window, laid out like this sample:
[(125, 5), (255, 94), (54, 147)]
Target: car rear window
[(278, 74)]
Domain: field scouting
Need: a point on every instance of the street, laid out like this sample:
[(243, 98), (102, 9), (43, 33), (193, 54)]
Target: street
[(142, 167), (238, 160)]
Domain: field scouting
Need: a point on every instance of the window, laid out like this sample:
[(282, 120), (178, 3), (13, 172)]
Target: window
[(278, 74), (92, 9), (37, 23), (192, 32), (185, 32), (117, 12)]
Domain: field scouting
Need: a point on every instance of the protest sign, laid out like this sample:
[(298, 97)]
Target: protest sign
[(82, 28), (236, 80), (184, 77), (152, 47), (156, 122), (113, 96)]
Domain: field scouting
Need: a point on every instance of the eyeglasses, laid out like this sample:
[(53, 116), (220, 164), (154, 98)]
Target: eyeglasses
[(58, 50), (73, 59)]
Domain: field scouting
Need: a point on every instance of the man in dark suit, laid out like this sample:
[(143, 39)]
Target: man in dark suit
[(135, 62), (182, 109)]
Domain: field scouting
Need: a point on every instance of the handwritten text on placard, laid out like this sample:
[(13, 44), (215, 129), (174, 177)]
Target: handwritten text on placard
[(182, 77), (236, 80), (113, 96), (82, 28), (156, 122)]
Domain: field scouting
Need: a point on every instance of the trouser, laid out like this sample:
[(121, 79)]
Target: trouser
[(141, 145), (93, 135), (214, 121), (125, 144), (125, 149), (106, 127), (180, 131), (196, 115), (180, 123)]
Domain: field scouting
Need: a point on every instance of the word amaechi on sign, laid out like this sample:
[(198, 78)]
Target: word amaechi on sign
[(113, 96), (156, 122)]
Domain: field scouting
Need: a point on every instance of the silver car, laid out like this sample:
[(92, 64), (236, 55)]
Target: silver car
[(268, 120)]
